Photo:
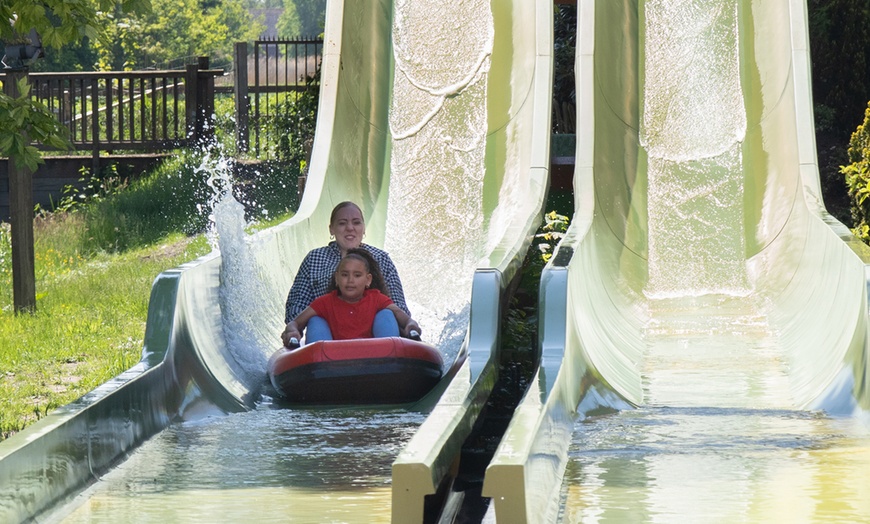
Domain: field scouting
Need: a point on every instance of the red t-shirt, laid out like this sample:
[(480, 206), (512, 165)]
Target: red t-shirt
[(348, 320)]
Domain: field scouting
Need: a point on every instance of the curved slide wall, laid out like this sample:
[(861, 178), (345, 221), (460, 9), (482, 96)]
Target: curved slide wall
[(805, 267), (189, 367)]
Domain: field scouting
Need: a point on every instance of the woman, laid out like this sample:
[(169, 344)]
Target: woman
[(347, 226)]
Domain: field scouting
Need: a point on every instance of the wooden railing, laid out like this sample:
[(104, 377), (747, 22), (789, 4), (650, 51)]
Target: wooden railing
[(131, 110)]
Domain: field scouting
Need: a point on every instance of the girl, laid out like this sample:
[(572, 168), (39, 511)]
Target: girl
[(357, 306)]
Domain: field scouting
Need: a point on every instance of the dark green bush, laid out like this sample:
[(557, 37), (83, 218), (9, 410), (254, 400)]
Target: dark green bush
[(520, 327), (292, 126), (857, 174)]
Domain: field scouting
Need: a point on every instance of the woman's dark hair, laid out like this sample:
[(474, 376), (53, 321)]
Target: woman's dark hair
[(372, 267), (341, 205)]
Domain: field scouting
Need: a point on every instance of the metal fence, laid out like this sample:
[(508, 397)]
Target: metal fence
[(267, 75)]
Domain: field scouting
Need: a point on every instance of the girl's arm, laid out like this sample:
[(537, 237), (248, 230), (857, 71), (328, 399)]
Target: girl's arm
[(294, 328), (406, 323)]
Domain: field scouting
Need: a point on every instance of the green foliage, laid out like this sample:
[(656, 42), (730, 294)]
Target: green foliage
[(91, 189), (175, 29), (172, 199), (58, 22), (73, 343), (857, 174), (288, 25), (293, 123), (6, 253), (225, 121), (29, 120), (312, 14), (519, 329), (78, 56), (118, 214)]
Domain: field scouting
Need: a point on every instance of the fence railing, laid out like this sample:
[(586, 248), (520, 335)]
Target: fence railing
[(158, 110), (130, 110), (275, 72)]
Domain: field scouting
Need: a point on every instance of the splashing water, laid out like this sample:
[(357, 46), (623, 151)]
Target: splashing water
[(692, 127), (438, 125), (244, 297)]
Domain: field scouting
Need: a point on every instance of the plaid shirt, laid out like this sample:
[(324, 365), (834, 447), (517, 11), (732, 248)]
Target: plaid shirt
[(315, 272)]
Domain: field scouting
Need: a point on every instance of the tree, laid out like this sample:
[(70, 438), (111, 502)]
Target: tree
[(312, 14), (176, 29), (289, 25), (58, 23)]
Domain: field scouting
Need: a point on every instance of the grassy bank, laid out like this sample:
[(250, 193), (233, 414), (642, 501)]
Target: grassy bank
[(89, 322), (95, 261)]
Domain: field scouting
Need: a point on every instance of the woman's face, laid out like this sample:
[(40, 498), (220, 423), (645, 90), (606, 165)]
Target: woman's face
[(348, 228)]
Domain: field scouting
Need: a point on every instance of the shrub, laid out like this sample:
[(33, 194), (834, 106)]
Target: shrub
[(857, 175), (520, 324), (292, 126)]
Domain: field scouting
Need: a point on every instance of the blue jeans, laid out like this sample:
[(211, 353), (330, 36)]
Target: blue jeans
[(385, 325)]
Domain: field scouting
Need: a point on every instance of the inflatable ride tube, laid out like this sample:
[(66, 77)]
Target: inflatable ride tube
[(390, 370)]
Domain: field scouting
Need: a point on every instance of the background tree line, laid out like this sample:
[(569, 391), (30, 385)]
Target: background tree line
[(174, 30)]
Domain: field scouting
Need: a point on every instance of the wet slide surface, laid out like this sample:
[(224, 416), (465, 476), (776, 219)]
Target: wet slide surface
[(445, 149), (270, 465), (715, 348)]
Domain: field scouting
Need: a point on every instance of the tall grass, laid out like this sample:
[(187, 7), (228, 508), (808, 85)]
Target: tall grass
[(94, 263), (89, 322)]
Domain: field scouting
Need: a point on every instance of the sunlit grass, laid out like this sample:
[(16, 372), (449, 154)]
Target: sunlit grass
[(94, 266), (95, 261), (89, 321)]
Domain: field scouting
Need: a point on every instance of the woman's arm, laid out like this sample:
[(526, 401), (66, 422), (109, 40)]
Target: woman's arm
[(295, 327), (301, 293)]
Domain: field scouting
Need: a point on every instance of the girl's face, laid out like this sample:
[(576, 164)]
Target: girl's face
[(352, 279), (348, 228)]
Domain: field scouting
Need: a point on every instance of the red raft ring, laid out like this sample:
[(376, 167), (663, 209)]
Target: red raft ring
[(390, 370)]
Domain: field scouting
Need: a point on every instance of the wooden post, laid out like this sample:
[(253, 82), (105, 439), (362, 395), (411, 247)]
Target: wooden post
[(21, 212), (191, 75), (240, 92), (204, 102)]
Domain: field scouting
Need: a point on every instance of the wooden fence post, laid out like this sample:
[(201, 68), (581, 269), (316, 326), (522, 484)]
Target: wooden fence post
[(191, 76), (240, 92), (205, 102), (21, 211)]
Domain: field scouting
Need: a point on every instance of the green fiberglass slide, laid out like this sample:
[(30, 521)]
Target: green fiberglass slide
[(698, 217), (435, 118)]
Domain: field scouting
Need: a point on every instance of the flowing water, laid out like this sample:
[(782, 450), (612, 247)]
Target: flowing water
[(265, 465), (718, 436), (438, 121)]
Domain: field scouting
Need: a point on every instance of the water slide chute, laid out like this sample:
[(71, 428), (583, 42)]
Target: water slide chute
[(597, 294)]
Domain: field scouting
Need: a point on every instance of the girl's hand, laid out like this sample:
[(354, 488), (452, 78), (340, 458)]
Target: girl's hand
[(412, 325), (290, 333)]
